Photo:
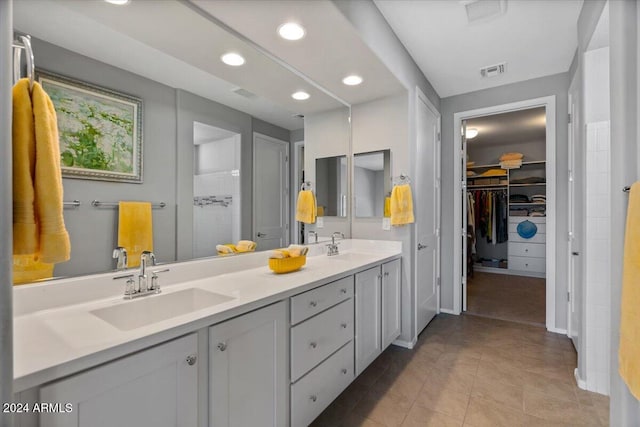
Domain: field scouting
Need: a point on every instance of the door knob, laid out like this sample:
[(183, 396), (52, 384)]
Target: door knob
[(222, 346), (191, 359), (575, 253), (261, 234), (421, 246)]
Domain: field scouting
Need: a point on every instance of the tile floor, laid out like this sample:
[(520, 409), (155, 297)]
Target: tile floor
[(501, 296), (471, 371)]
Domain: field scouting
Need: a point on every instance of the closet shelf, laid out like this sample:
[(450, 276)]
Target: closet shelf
[(497, 165), (527, 204), (541, 184), (486, 187)]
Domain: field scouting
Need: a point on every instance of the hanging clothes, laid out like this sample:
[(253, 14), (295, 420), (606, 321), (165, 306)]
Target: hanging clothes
[(490, 214)]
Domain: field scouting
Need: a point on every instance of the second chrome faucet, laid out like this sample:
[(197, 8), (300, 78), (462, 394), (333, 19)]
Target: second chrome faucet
[(146, 285)]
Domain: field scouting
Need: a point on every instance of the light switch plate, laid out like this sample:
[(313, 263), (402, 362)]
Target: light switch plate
[(386, 224), (320, 222)]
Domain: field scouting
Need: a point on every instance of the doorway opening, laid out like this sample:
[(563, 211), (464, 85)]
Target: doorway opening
[(506, 193), (216, 188)]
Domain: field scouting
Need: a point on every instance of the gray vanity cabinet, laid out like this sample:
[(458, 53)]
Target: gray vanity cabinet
[(157, 387), (248, 369)]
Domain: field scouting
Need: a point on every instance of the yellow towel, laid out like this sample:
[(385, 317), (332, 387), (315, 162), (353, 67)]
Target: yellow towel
[(511, 156), (135, 229), (279, 254), (320, 210), (225, 249), (40, 238), (629, 351), (306, 209), (387, 207), (246, 246), (297, 250), (495, 172), (401, 205)]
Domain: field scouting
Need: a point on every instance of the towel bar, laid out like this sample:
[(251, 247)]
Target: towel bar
[(72, 204), (99, 204)]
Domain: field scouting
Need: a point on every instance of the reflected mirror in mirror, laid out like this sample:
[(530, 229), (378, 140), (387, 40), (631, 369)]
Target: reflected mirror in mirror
[(371, 183), (331, 186)]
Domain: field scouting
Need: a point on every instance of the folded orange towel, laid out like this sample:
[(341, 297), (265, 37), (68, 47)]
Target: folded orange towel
[(495, 172), (135, 229), (511, 156)]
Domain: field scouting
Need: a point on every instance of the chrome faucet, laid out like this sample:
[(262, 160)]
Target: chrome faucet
[(332, 249), (120, 254), (145, 286), (315, 234), (146, 258)]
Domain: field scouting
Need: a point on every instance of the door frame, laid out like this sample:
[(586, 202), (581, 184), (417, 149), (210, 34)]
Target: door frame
[(421, 97), (571, 206), (549, 102), (287, 171), (296, 149)]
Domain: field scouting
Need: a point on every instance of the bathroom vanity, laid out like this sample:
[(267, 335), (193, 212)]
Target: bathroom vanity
[(226, 343)]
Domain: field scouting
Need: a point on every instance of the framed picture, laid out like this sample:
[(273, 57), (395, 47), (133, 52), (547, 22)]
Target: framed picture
[(100, 130)]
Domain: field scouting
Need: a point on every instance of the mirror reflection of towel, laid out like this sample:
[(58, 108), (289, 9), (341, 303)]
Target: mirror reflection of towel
[(306, 207), (401, 205), (135, 230)]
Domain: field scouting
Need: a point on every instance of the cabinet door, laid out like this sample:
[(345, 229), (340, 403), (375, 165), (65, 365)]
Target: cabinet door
[(391, 280), (368, 320), (248, 378), (156, 387)]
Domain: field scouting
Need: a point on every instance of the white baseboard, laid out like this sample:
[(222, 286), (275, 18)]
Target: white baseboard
[(580, 382), (557, 331), (447, 311), (405, 344)]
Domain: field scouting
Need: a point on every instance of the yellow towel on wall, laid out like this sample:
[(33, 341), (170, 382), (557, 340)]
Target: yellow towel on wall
[(401, 205), (629, 351), (40, 238), (306, 207), (387, 207), (135, 229)]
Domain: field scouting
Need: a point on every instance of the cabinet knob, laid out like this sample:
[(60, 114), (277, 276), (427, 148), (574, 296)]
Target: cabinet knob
[(313, 398), (191, 359), (343, 325), (313, 303), (313, 344), (222, 346), (343, 291), (526, 265), (344, 371), (526, 250)]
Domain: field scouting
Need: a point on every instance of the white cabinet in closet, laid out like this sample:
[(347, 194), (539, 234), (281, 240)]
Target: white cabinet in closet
[(527, 257), (153, 388)]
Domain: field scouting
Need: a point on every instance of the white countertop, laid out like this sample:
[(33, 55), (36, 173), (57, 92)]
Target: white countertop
[(53, 340)]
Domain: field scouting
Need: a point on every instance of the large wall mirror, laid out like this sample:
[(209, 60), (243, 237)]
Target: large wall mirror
[(331, 186), (371, 183), (203, 123)]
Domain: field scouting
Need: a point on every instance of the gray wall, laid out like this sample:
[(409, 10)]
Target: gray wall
[(168, 163), (625, 169), (551, 85)]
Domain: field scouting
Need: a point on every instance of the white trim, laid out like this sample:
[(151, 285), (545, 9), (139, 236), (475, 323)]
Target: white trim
[(287, 235), (406, 344), (549, 102), (449, 311), (295, 153), (421, 97), (579, 381), (557, 331)]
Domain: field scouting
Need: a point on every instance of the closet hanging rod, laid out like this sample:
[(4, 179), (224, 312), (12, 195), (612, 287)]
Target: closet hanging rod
[(626, 189), (72, 204), (99, 204), (24, 43)]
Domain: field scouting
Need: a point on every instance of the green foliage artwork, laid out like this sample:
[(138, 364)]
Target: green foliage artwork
[(100, 131)]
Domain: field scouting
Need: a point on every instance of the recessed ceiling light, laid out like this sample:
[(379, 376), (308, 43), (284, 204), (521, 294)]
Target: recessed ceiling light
[(233, 59), (117, 2), (291, 31), (352, 80), (300, 96), (472, 133)]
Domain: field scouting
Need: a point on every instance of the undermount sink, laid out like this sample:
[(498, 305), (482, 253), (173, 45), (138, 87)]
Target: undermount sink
[(148, 310), (352, 257)]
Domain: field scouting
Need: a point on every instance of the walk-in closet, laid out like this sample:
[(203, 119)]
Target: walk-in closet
[(506, 190)]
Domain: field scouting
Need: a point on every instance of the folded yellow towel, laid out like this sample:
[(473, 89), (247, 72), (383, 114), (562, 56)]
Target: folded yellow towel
[(306, 209), (495, 172), (246, 246), (225, 249), (401, 205), (511, 156), (27, 269), (320, 210), (511, 164), (135, 229), (279, 254), (387, 207), (297, 250), (629, 351)]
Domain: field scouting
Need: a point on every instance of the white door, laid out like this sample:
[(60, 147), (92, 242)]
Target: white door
[(573, 321), (248, 363), (391, 294), (427, 194), (154, 388), (270, 192), (368, 321)]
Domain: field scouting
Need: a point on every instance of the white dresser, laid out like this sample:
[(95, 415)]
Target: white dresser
[(527, 257)]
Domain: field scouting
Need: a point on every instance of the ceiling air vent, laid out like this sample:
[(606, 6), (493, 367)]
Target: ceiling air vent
[(493, 70), (482, 10), (298, 116), (245, 93)]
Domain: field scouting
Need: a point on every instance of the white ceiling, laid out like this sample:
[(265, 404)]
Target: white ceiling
[(535, 37), (508, 128), (168, 42)]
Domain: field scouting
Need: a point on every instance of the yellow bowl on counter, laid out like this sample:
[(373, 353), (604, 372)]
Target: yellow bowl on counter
[(287, 265)]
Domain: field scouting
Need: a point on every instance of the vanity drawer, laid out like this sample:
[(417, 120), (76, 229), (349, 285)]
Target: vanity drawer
[(535, 250), (319, 299), (316, 390), (534, 265), (538, 238), (314, 340)]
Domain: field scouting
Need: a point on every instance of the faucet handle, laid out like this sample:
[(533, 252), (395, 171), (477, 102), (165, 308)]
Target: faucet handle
[(130, 286), (155, 284)]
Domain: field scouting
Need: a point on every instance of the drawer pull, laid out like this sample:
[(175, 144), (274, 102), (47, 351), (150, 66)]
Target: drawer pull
[(526, 250), (312, 304), (343, 291), (222, 346), (526, 265), (191, 359), (313, 344), (343, 325), (344, 371), (313, 398)]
